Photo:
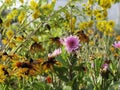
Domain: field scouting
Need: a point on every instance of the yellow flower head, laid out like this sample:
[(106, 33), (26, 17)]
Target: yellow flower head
[(12, 45), (111, 23), (105, 13), (33, 4), (99, 16), (90, 31), (14, 12), (90, 23), (19, 38), (105, 4), (22, 1), (5, 41), (48, 6), (95, 12), (36, 14), (118, 38), (83, 25), (21, 17), (9, 33), (89, 12), (10, 16), (7, 23)]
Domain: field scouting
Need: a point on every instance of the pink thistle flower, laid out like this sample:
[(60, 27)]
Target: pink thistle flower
[(116, 44), (71, 43), (56, 52)]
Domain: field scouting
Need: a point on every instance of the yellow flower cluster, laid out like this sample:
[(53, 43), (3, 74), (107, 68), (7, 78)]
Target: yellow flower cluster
[(47, 8), (106, 3), (12, 15), (85, 25), (106, 27)]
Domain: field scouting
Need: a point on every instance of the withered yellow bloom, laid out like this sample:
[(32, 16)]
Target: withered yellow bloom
[(118, 38), (9, 33), (19, 38), (12, 45), (2, 73)]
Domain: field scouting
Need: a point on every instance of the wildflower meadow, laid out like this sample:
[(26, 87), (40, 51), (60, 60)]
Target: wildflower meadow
[(73, 47)]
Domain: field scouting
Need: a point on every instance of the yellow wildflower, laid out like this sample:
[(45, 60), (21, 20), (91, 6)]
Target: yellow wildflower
[(105, 4), (95, 12), (5, 41), (116, 55), (89, 12), (3, 73), (111, 23), (112, 49), (7, 23), (118, 38), (33, 4), (109, 29), (22, 1), (36, 14), (19, 38), (91, 43), (83, 25), (105, 13), (9, 33), (90, 23), (48, 6), (90, 31), (14, 12), (99, 16), (21, 17), (10, 16), (12, 45)]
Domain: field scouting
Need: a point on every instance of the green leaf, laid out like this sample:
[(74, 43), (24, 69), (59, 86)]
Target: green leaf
[(115, 85), (67, 88)]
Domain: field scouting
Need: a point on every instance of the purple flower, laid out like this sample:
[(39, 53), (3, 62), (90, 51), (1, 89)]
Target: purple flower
[(105, 66), (71, 43), (56, 52), (116, 44)]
